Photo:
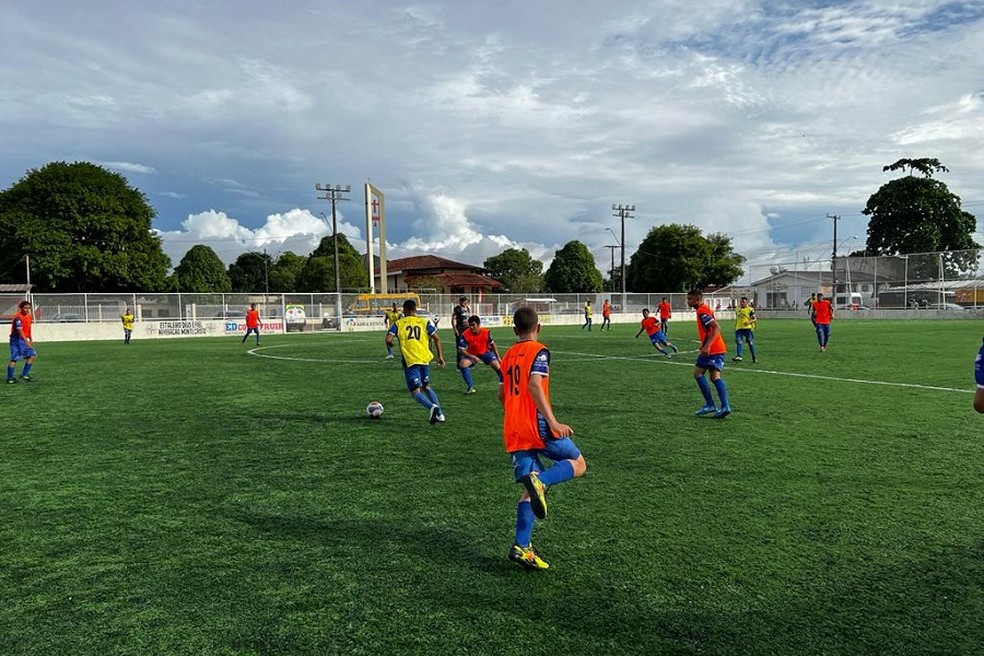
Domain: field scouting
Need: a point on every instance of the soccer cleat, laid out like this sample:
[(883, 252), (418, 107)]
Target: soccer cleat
[(706, 410), (538, 494), (675, 349), (667, 354), (389, 357), (754, 360), (723, 412), (11, 381), (435, 413), (471, 390), (26, 379), (737, 358), (440, 417), (823, 349), (527, 558)]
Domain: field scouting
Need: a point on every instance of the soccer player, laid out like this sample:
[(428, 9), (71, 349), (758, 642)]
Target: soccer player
[(476, 345), (810, 302), (606, 315), (656, 336), (665, 313), (745, 323), (252, 323), (414, 333), (531, 430), (390, 319), (823, 312), (459, 317), (587, 316), (711, 357), (979, 379), (127, 319), (21, 343)]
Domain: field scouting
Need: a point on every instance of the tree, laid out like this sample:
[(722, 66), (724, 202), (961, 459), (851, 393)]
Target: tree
[(201, 270), (85, 229), (318, 274), (573, 270), (284, 272), (516, 270), (249, 272), (678, 258), (921, 215)]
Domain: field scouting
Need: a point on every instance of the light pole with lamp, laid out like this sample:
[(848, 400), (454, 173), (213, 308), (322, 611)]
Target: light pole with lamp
[(623, 212), (618, 244), (333, 194)]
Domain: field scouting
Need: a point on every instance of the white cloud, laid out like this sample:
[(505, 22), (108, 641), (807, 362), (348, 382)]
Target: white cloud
[(129, 167)]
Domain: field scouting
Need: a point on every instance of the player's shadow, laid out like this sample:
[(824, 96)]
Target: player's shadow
[(644, 617)]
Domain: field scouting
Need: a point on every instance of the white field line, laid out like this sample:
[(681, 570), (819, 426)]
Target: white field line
[(862, 381), (650, 357)]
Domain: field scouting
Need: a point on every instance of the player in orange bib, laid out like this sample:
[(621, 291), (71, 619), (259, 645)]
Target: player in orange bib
[(475, 344), (822, 314), (711, 357), (252, 323), (530, 430)]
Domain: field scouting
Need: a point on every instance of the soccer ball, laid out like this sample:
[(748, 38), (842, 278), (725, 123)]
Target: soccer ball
[(374, 409)]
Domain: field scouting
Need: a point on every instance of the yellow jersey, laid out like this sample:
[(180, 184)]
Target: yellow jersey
[(392, 316), (744, 318), (414, 335), (127, 321)]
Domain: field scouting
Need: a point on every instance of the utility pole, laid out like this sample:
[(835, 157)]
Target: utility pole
[(833, 263), (333, 194), (623, 212), (266, 275), (611, 272)]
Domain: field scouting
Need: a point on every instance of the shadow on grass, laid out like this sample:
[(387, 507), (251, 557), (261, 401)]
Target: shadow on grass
[(924, 607)]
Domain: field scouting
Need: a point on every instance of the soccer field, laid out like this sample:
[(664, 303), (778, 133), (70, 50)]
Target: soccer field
[(199, 496)]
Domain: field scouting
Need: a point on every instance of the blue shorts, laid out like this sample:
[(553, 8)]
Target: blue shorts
[(658, 337), (20, 350), (743, 333), (528, 461), (823, 328), (711, 361), (979, 368), (417, 375)]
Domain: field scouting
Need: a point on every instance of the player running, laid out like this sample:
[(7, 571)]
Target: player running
[(476, 345), (655, 332), (530, 430), (413, 333)]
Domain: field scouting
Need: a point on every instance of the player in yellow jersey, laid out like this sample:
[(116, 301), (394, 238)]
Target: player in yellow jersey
[(414, 333), (127, 318), (745, 323), (390, 317)]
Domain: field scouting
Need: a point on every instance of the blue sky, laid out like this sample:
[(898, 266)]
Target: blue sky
[(489, 125)]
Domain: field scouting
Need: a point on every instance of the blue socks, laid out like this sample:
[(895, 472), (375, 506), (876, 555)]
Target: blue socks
[(432, 395), (422, 399), (10, 373), (705, 389), (524, 524), (560, 472), (722, 390), (27, 369), (466, 374)]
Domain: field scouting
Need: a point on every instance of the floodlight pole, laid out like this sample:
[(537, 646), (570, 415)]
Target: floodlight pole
[(623, 212), (611, 272), (333, 194)]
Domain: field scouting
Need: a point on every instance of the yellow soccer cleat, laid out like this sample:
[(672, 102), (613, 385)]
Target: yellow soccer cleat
[(538, 494), (527, 558)]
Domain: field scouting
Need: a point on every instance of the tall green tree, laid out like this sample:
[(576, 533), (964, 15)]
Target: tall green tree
[(919, 214), (678, 258), (249, 272), (516, 270), (201, 270), (284, 272), (318, 274), (573, 270), (85, 229)]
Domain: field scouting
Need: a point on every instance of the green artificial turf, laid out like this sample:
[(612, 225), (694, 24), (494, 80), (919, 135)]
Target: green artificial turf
[(189, 497)]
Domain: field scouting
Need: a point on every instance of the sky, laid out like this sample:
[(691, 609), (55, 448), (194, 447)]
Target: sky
[(490, 125)]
